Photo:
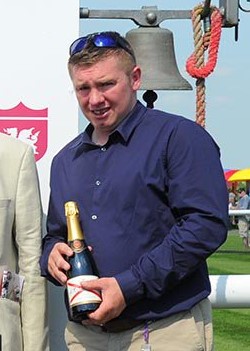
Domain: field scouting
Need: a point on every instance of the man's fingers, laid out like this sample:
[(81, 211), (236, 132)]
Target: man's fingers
[(57, 263), (62, 249)]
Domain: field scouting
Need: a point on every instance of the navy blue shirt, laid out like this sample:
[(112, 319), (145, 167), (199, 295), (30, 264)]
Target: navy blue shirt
[(153, 205)]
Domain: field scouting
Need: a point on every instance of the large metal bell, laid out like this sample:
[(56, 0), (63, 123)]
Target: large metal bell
[(154, 51)]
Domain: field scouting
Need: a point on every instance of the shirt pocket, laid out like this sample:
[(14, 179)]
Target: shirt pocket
[(6, 226), (4, 204), (5, 212), (10, 325)]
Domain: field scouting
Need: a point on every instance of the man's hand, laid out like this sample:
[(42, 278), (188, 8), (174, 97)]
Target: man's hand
[(57, 265), (113, 302)]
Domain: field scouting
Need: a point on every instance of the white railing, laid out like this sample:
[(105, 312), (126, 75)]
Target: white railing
[(238, 212), (231, 291)]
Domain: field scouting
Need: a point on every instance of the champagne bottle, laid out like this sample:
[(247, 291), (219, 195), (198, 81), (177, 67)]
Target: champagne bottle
[(83, 267)]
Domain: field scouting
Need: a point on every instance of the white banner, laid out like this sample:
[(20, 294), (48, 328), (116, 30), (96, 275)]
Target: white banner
[(37, 103)]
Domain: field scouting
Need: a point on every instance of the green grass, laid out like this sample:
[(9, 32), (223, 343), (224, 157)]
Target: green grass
[(231, 258), (231, 326), (231, 329)]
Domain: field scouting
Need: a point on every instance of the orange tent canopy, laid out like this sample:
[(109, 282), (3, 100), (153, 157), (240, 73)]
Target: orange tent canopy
[(229, 173)]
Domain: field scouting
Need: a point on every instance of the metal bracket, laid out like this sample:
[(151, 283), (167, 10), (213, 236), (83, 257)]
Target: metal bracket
[(148, 16), (230, 12)]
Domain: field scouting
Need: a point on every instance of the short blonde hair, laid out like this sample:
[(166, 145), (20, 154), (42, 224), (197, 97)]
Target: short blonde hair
[(89, 57)]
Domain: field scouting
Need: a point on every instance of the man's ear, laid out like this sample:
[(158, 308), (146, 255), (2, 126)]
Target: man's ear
[(136, 77)]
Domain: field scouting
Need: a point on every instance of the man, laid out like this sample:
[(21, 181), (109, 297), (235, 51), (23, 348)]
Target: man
[(243, 223), (23, 324), (153, 204)]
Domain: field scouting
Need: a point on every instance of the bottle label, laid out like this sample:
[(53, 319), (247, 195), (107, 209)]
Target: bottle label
[(78, 295)]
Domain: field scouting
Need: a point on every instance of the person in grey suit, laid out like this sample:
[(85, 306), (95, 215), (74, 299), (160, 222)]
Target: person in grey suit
[(23, 323)]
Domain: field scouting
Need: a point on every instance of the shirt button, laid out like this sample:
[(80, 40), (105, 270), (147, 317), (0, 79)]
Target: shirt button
[(103, 148), (98, 182), (94, 217)]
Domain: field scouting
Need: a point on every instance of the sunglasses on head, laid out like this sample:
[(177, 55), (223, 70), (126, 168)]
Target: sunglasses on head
[(101, 40)]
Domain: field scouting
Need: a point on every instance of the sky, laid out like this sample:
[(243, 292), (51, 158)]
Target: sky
[(227, 88)]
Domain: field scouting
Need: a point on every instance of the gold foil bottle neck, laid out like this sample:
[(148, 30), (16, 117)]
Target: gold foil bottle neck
[(73, 223), (71, 208)]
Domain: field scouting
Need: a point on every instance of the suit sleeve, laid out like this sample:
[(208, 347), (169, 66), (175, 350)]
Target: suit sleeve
[(28, 220)]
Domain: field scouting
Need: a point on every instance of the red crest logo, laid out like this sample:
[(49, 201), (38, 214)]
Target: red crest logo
[(27, 125)]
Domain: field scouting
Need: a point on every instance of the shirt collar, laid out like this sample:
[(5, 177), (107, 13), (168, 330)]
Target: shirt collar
[(124, 129), (127, 126)]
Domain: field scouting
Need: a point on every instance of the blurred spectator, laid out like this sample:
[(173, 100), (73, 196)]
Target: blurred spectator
[(232, 205), (243, 221)]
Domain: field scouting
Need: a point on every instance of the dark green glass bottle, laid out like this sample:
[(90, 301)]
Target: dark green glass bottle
[(83, 267)]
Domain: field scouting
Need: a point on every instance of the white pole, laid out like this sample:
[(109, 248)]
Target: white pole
[(230, 291), (238, 212)]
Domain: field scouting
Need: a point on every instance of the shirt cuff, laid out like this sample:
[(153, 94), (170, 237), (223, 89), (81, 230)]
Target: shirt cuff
[(131, 288)]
